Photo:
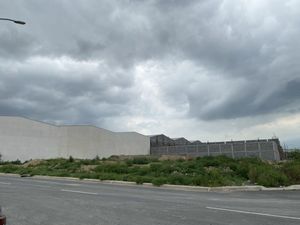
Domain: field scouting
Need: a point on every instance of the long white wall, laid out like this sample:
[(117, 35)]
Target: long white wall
[(25, 139)]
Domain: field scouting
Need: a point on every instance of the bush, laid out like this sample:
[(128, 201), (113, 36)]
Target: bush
[(142, 171), (109, 176), (112, 168), (71, 159), (141, 160), (199, 181), (179, 179), (163, 168), (215, 161), (292, 171), (206, 171), (129, 162), (294, 155), (139, 180), (268, 176), (9, 169), (159, 181)]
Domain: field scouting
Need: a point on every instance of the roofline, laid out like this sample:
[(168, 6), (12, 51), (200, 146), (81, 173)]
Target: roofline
[(64, 125)]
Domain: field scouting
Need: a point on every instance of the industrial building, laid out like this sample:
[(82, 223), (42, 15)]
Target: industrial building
[(25, 139)]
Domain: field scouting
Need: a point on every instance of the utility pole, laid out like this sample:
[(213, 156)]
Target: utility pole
[(15, 21)]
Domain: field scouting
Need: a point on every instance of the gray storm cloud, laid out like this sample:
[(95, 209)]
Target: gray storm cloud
[(248, 50)]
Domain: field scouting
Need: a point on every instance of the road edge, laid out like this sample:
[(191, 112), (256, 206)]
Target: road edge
[(169, 186)]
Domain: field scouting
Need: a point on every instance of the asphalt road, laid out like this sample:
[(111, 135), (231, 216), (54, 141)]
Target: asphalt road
[(28, 201)]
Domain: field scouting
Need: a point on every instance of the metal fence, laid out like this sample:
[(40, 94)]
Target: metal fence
[(267, 149)]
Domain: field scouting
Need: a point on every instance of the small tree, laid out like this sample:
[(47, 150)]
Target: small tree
[(71, 159)]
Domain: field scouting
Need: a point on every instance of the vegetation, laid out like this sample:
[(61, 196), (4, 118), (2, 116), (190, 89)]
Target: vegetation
[(205, 171)]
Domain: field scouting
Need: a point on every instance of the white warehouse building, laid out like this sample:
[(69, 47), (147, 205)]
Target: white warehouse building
[(24, 139)]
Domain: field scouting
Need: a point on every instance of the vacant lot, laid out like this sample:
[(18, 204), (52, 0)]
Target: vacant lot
[(205, 171)]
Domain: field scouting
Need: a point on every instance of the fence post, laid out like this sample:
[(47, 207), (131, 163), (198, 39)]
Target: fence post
[(208, 150), (275, 158), (259, 149), (232, 150), (245, 147), (220, 149), (167, 150)]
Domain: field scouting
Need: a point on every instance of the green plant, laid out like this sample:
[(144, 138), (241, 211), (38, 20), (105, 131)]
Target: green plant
[(140, 160), (71, 159), (294, 155), (206, 171), (159, 181), (268, 176), (292, 171)]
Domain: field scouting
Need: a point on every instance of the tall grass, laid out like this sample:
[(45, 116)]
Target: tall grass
[(204, 171)]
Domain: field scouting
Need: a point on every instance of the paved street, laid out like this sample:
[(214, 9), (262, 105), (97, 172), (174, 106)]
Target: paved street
[(31, 201)]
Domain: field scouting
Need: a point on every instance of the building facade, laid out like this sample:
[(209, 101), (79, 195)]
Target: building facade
[(25, 139)]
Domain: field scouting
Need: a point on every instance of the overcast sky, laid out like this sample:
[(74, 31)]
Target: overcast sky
[(204, 69)]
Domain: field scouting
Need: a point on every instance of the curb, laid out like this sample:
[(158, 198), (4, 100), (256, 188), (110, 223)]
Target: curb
[(168, 186)]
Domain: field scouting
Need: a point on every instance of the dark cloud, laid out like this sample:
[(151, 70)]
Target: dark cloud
[(34, 89), (242, 58), (14, 44)]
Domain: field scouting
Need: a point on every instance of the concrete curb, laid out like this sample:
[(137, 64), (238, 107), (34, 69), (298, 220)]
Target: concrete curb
[(169, 186), (10, 174)]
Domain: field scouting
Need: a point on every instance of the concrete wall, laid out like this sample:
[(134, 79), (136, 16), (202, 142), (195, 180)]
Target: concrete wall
[(25, 139), (264, 149)]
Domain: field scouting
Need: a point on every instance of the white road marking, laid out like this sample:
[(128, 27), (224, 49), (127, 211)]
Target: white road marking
[(254, 213), (77, 185), (80, 192), (6, 183), (36, 185)]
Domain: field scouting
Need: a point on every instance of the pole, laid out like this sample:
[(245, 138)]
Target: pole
[(15, 21)]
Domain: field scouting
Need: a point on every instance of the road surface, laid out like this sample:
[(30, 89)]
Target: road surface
[(32, 201)]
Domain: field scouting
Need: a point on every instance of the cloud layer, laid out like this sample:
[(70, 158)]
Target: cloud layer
[(145, 65)]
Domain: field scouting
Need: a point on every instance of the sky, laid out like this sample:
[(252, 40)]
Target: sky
[(210, 70)]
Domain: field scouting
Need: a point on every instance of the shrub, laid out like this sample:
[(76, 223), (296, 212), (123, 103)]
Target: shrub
[(165, 168), (142, 171), (112, 168), (268, 176), (202, 180), (129, 162), (71, 159), (294, 155), (159, 181), (141, 160), (215, 161), (292, 171), (179, 179), (206, 171), (139, 180), (109, 176), (156, 167), (9, 169)]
